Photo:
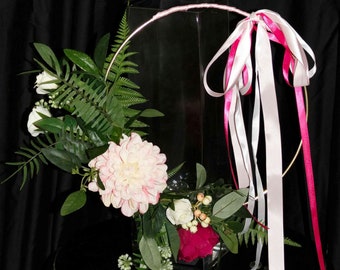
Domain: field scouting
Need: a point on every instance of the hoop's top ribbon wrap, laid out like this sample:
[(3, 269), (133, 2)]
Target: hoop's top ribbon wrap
[(238, 80)]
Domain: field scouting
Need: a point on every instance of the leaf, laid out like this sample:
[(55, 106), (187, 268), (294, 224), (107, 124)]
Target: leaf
[(230, 240), (48, 56), (50, 124), (94, 152), (235, 226), (61, 158), (201, 175), (70, 121), (175, 170), (173, 238), (230, 203), (153, 220), (100, 183), (73, 202), (150, 253), (82, 60), (151, 113), (290, 242), (100, 51)]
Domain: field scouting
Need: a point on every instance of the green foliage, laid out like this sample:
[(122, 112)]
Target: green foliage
[(201, 176), (255, 233), (290, 242), (49, 57), (229, 239), (73, 202), (173, 239), (153, 220), (230, 203), (149, 250), (32, 159), (94, 110)]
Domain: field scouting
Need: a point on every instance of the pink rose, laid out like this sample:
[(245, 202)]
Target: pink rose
[(196, 245), (133, 173)]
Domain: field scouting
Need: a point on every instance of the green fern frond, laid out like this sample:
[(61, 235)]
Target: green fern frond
[(254, 234), (290, 242), (86, 98), (257, 233), (32, 158), (75, 141)]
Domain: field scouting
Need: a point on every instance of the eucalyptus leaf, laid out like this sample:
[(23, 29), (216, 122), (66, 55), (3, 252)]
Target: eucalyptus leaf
[(230, 240), (173, 238), (230, 203), (149, 250), (82, 60), (50, 124), (73, 202), (201, 175), (61, 158)]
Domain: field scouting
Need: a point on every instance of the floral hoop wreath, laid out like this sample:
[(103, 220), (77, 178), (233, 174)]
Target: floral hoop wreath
[(237, 79)]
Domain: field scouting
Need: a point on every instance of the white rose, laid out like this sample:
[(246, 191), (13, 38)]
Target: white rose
[(35, 116), (43, 83), (182, 213)]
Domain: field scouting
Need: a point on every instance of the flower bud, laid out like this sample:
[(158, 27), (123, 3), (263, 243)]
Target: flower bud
[(203, 216), (200, 197), (193, 229), (207, 200), (204, 225), (197, 212), (207, 220), (185, 227)]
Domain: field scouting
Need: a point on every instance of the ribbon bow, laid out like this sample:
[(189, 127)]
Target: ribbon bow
[(238, 80)]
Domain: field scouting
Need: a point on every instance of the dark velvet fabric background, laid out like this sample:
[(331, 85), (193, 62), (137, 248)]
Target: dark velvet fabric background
[(33, 236)]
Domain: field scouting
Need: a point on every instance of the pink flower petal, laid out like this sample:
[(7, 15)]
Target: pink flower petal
[(133, 172)]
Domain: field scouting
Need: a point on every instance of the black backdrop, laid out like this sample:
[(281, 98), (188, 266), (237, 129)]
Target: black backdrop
[(32, 234)]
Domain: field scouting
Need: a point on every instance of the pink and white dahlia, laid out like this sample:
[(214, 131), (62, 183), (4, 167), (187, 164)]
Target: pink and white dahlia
[(133, 173)]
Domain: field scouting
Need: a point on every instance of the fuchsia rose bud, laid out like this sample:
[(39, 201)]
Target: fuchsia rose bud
[(196, 245)]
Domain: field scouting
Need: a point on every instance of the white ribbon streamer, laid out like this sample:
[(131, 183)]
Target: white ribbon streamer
[(265, 86)]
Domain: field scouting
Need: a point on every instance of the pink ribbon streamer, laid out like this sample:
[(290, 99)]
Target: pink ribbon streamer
[(237, 78)]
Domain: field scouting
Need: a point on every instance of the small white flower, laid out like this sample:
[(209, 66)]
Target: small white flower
[(142, 266), (167, 265), (34, 116), (182, 213), (124, 262), (44, 82), (165, 252)]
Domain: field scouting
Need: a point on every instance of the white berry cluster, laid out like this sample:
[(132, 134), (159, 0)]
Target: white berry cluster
[(199, 216)]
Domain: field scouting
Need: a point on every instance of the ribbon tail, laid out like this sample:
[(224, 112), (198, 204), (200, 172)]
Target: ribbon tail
[(266, 83), (261, 205), (309, 174)]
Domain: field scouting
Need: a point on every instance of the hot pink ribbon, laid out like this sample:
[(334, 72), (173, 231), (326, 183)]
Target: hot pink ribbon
[(269, 26)]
